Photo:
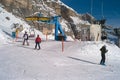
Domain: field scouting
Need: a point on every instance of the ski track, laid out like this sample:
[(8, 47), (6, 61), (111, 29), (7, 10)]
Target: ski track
[(50, 63)]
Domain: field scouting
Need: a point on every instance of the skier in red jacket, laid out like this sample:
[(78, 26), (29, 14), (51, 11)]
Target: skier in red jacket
[(37, 41)]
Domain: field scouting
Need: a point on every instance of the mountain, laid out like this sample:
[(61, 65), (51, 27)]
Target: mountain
[(70, 20)]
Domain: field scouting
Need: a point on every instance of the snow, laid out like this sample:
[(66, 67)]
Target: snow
[(64, 25), (6, 25), (3, 39), (78, 61), (76, 20)]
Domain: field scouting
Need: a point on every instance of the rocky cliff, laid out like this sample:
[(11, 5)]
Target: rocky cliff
[(47, 8)]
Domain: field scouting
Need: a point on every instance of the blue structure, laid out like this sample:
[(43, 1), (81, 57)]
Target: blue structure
[(58, 28), (13, 35)]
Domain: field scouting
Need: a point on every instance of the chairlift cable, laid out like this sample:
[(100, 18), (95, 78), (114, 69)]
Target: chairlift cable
[(91, 6), (102, 6)]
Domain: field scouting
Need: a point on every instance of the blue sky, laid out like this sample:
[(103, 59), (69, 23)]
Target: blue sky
[(111, 9)]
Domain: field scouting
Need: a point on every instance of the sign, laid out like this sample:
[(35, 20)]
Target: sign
[(37, 18)]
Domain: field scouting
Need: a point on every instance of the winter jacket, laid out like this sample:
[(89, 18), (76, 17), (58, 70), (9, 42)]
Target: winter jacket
[(38, 39), (103, 50), (25, 36)]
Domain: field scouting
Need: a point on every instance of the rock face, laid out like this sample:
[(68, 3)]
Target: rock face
[(24, 8), (18, 7)]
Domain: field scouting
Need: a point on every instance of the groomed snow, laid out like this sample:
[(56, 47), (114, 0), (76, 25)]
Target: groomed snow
[(78, 61)]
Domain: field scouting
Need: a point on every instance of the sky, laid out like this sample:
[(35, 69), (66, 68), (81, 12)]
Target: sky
[(110, 10)]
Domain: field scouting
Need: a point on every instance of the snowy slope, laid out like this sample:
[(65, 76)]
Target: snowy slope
[(7, 20), (79, 61)]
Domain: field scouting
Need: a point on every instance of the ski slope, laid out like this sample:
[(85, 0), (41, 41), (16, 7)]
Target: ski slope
[(78, 61)]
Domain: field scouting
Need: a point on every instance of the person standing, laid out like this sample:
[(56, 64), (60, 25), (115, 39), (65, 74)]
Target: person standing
[(103, 51), (16, 33), (37, 42), (25, 36)]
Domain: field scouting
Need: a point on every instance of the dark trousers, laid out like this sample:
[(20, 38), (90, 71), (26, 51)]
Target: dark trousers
[(25, 41), (37, 44), (103, 59)]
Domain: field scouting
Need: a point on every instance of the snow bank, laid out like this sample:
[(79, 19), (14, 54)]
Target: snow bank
[(7, 21), (3, 39)]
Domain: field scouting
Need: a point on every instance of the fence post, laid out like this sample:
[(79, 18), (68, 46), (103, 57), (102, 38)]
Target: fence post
[(62, 45)]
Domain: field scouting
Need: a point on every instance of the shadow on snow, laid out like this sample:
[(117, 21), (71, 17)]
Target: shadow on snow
[(82, 60)]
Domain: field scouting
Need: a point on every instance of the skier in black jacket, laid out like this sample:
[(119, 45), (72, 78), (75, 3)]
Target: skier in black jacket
[(25, 36), (103, 51)]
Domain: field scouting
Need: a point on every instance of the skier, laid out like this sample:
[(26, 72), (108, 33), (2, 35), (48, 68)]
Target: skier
[(25, 36), (103, 51), (17, 31), (37, 41)]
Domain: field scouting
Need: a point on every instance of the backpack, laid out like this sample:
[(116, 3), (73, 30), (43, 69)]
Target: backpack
[(26, 36)]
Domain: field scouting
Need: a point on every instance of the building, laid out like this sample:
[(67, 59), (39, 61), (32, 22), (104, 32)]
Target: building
[(95, 32)]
